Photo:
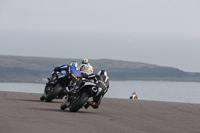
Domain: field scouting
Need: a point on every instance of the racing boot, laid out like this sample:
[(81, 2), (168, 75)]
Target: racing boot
[(94, 105), (87, 104)]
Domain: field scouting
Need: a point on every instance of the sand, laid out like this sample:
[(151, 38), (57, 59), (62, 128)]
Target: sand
[(25, 113)]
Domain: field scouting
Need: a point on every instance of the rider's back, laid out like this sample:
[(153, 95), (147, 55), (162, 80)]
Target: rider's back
[(69, 69), (74, 71), (103, 78)]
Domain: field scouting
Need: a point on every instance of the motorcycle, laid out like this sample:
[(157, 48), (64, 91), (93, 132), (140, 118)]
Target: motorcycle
[(75, 101), (134, 96), (55, 87)]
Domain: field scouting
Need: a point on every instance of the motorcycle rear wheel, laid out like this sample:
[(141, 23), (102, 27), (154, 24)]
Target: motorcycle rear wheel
[(56, 91), (74, 107)]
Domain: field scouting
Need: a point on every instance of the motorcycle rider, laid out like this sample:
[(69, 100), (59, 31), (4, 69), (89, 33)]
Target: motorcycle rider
[(62, 71), (102, 81), (86, 67), (134, 96), (68, 69), (103, 88)]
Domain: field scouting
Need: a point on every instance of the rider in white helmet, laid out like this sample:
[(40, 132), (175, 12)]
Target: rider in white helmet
[(86, 67), (85, 61), (101, 80)]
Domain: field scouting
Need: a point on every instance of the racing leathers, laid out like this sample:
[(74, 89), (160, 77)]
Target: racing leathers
[(86, 68), (102, 83), (66, 70)]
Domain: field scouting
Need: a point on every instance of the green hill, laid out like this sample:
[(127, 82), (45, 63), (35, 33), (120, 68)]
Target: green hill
[(35, 69)]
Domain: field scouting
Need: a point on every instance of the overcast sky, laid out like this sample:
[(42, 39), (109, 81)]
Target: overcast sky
[(161, 32)]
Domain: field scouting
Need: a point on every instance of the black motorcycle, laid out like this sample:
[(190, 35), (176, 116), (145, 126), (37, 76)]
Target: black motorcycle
[(75, 101), (55, 87)]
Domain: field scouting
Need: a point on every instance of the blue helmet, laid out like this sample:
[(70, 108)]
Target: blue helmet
[(74, 63)]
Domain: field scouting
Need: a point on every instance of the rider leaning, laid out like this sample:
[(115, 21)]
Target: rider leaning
[(102, 86), (68, 68), (86, 67), (87, 73)]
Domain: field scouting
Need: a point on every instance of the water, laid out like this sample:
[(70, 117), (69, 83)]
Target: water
[(187, 92)]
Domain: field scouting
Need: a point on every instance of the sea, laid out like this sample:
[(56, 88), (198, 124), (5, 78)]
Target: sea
[(184, 92)]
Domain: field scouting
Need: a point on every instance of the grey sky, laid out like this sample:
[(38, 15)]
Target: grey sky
[(162, 32)]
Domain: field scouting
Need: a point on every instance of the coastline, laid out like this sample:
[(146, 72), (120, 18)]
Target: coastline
[(36, 69), (45, 81)]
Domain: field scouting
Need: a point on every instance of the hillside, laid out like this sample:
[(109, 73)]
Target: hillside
[(35, 69)]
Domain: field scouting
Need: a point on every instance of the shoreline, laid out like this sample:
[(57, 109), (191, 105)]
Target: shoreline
[(110, 80)]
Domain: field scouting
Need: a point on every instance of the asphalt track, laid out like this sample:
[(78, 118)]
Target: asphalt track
[(25, 113)]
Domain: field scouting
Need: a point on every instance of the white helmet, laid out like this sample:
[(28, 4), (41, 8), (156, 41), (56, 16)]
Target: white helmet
[(85, 61)]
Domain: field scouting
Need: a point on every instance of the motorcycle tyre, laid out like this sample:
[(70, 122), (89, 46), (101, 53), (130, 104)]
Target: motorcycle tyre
[(56, 91), (74, 107), (42, 98)]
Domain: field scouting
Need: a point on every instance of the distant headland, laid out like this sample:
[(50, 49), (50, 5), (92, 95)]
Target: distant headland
[(35, 69)]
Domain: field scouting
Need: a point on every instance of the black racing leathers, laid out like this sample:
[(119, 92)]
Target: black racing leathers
[(102, 82)]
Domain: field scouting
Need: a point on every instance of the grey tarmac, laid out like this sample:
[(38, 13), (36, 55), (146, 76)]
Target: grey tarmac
[(25, 113)]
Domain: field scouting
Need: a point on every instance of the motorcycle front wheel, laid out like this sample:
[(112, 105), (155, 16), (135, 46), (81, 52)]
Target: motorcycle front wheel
[(79, 102)]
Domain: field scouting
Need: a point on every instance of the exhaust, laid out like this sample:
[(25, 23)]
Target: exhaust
[(94, 89)]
